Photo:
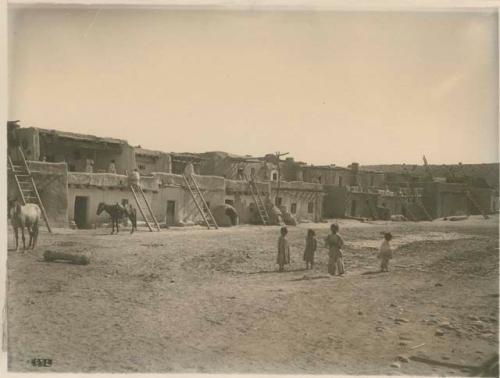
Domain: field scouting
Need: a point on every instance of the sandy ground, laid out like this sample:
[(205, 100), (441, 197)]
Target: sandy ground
[(193, 300)]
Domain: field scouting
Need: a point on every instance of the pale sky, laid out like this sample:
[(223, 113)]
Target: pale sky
[(328, 87)]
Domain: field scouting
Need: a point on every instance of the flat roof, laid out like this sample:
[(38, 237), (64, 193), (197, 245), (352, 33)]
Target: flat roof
[(80, 137), (146, 152)]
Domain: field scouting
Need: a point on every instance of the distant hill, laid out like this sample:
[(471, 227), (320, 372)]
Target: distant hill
[(488, 172)]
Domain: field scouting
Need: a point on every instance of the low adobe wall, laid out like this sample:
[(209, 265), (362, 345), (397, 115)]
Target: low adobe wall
[(109, 180)]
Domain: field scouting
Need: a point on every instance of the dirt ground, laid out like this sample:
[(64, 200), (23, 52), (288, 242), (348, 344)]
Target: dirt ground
[(194, 300)]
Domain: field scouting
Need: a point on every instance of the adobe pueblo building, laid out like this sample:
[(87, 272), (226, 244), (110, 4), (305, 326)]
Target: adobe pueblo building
[(70, 174)]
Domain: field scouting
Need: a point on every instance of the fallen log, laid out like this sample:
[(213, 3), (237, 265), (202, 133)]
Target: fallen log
[(74, 258), (452, 365), (306, 278)]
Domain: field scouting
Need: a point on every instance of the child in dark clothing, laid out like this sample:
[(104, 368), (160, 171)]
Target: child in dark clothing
[(311, 245)]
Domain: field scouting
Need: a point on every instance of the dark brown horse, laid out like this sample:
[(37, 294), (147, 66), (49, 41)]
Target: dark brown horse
[(117, 212)]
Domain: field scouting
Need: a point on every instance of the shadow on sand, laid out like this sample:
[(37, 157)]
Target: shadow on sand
[(276, 271), (372, 272)]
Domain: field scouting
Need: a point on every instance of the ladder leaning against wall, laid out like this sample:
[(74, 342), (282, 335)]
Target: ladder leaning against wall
[(259, 203), (409, 214), (200, 202), (474, 202), (26, 185), (144, 208)]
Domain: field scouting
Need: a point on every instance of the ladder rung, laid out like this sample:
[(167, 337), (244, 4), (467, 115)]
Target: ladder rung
[(28, 194)]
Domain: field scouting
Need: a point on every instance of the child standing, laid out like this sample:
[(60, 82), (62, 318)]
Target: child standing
[(334, 243), (283, 249), (311, 245), (385, 253)]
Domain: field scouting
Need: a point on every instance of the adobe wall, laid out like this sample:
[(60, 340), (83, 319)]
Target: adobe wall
[(495, 203), (239, 193), (160, 189), (393, 203), (302, 194), (159, 163), (447, 199), (485, 198), (370, 179), (291, 171), (95, 196), (311, 174), (52, 184), (103, 187), (228, 168), (75, 154), (333, 176), (29, 140), (358, 204), (334, 202), (413, 211), (123, 156), (452, 203), (172, 187)]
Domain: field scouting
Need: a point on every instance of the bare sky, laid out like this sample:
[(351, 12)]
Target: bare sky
[(328, 87)]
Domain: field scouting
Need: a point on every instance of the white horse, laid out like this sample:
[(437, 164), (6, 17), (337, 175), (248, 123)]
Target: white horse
[(22, 216)]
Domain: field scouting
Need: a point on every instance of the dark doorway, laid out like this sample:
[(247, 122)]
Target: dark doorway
[(353, 208), (170, 213), (81, 207), (233, 217)]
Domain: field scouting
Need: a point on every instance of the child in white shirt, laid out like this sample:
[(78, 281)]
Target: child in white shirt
[(385, 253)]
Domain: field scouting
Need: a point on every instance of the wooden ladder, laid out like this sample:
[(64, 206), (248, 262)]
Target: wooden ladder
[(257, 199), (139, 194), (26, 185), (471, 198), (200, 202)]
